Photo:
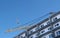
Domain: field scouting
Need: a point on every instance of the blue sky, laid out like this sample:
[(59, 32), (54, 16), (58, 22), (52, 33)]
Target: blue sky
[(25, 10)]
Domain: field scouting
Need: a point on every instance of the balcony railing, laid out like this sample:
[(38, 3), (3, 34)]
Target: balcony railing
[(45, 27)]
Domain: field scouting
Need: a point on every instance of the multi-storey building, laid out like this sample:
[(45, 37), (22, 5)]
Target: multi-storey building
[(48, 28)]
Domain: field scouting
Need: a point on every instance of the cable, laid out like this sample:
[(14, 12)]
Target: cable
[(33, 21), (39, 18)]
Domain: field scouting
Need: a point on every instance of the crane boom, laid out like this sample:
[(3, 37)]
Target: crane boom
[(19, 28), (25, 27)]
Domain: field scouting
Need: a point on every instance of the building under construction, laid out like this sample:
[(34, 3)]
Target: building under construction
[(48, 28)]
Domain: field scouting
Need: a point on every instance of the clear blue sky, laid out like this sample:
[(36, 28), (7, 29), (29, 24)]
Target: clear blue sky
[(25, 10)]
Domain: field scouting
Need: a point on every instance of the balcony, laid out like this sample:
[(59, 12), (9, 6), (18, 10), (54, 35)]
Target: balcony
[(46, 27)]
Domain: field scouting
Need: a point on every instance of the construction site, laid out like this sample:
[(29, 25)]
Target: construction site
[(29, 18), (47, 28)]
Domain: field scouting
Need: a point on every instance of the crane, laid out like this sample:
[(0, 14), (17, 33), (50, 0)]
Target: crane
[(28, 26), (19, 28)]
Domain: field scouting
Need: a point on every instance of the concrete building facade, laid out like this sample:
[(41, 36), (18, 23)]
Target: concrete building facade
[(48, 28)]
